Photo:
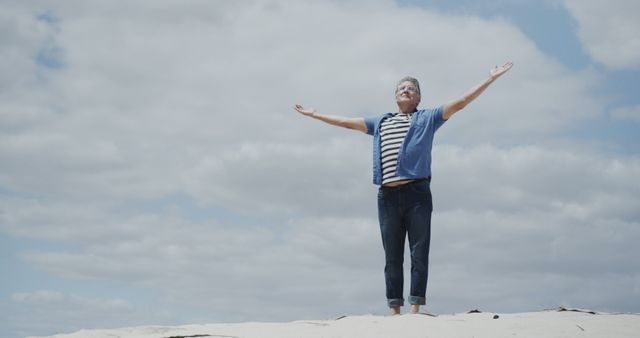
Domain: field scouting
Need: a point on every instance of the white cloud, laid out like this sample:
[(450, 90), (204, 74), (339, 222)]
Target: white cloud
[(46, 312), (532, 225), (580, 182), (52, 298), (287, 178), (609, 31), (37, 297), (631, 113), (290, 266), (143, 101), (22, 34)]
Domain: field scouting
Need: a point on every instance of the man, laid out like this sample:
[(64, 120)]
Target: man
[(402, 144)]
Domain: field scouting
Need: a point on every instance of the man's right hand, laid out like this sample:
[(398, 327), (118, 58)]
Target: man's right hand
[(302, 110), (356, 123)]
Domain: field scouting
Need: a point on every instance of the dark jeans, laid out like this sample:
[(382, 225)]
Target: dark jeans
[(403, 210)]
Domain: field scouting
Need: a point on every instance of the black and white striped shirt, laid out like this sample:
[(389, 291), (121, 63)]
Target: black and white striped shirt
[(392, 132)]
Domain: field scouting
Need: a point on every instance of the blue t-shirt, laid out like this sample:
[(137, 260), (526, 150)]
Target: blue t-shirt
[(414, 157)]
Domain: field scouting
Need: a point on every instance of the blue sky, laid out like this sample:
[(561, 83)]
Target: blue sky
[(555, 31), (153, 171), (548, 23)]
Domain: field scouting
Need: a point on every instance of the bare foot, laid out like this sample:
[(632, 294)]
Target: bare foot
[(395, 310), (415, 309)]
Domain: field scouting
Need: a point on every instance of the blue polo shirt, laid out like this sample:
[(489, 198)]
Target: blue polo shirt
[(414, 156)]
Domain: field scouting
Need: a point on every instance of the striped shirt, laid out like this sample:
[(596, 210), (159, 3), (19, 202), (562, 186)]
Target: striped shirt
[(392, 132)]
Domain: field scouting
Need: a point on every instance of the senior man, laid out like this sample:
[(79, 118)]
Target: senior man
[(402, 143)]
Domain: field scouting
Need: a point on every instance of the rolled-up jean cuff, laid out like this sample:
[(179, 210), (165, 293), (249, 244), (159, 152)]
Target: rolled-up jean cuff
[(395, 302), (415, 300)]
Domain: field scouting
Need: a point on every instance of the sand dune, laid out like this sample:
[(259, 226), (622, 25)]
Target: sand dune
[(550, 323)]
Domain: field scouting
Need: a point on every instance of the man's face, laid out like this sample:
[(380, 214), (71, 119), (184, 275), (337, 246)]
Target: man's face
[(407, 93)]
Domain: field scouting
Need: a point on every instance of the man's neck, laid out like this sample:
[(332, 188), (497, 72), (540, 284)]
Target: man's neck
[(407, 110)]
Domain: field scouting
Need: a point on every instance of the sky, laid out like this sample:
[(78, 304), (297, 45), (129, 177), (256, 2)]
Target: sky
[(153, 170)]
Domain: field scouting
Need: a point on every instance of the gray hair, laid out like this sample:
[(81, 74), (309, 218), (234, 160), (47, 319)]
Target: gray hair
[(410, 79)]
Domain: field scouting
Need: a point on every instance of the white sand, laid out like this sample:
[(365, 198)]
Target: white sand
[(564, 324)]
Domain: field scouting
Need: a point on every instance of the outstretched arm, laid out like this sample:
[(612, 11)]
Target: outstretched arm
[(457, 105), (356, 123)]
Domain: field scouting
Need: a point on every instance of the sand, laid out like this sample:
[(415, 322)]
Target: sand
[(549, 323)]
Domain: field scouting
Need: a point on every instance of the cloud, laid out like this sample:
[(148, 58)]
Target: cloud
[(609, 31), (291, 266), (533, 220), (53, 298), (23, 36), (125, 118), (581, 182), (287, 178), (46, 311), (122, 123), (543, 219), (630, 113)]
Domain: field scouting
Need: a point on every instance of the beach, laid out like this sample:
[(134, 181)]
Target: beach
[(548, 323)]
